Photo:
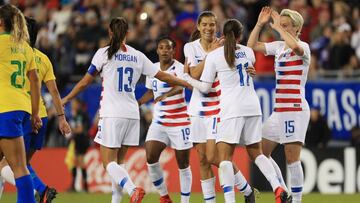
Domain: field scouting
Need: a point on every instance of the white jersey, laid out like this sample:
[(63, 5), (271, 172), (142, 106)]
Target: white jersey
[(173, 110), (291, 75), (119, 76), (238, 97), (201, 104)]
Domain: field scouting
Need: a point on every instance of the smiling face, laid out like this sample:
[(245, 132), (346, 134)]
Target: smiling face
[(207, 28), (165, 50), (286, 24)]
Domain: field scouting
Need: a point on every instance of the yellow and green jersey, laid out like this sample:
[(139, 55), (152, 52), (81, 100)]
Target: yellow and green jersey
[(16, 59), (45, 73)]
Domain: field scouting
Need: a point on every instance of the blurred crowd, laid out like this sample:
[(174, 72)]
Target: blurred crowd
[(72, 30)]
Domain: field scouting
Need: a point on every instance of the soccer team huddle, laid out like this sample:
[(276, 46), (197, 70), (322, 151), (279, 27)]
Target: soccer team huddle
[(224, 109)]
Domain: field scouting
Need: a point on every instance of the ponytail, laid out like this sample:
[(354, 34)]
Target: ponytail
[(119, 28), (229, 49), (14, 22), (232, 31), (194, 35)]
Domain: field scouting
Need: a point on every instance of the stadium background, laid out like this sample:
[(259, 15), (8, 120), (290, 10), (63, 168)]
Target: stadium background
[(71, 32)]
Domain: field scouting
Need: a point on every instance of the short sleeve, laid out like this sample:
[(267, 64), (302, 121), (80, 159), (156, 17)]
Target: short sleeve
[(149, 67), (271, 48), (49, 75), (209, 72), (31, 58), (189, 55), (179, 70), (98, 61), (306, 48), (252, 58), (148, 83)]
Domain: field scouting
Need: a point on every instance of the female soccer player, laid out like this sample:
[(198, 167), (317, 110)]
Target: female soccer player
[(33, 142), (288, 123), (16, 61), (240, 108), (170, 125), (120, 67), (204, 109)]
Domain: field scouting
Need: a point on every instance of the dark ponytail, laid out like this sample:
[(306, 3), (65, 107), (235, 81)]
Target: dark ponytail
[(119, 28), (196, 33), (232, 31)]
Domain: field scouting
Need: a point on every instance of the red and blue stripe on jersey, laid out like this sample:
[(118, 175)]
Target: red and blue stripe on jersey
[(210, 101), (290, 82), (172, 111)]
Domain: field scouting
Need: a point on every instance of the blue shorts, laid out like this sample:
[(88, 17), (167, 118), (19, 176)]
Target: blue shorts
[(32, 140), (12, 123)]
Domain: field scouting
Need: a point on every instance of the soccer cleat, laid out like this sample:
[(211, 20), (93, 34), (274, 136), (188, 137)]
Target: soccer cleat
[(253, 196), (289, 199), (281, 195), (165, 199), (47, 197), (137, 195)]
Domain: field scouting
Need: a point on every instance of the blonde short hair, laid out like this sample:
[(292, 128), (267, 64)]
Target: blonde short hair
[(296, 18)]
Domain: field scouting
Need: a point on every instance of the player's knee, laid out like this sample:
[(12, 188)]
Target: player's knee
[(211, 158), (151, 158), (203, 161), (183, 162)]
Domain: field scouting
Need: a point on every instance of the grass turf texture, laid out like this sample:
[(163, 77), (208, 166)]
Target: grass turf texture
[(195, 198)]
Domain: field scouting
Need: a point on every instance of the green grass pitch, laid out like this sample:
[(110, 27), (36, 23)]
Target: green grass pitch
[(195, 198)]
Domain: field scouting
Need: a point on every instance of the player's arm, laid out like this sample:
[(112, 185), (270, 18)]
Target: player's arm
[(35, 99), (290, 41), (168, 78), (63, 124), (253, 41), (149, 94), (175, 90), (202, 86), (195, 71), (79, 87)]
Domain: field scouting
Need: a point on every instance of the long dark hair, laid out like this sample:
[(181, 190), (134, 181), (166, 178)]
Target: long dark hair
[(196, 33), (119, 28), (14, 22), (33, 29), (232, 30)]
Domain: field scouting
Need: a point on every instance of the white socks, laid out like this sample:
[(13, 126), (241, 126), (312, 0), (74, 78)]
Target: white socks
[(278, 174), (120, 176), (116, 190), (296, 180), (241, 184), (226, 175), (185, 184), (266, 168), (157, 177), (208, 189), (8, 175)]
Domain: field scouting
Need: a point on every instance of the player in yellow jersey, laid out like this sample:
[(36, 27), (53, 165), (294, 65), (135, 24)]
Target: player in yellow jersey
[(34, 141), (17, 62)]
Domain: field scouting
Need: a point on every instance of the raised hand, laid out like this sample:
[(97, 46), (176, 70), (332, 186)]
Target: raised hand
[(218, 42), (264, 16), (276, 20)]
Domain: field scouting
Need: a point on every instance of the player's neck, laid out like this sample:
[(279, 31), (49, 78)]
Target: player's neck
[(206, 44), (166, 65)]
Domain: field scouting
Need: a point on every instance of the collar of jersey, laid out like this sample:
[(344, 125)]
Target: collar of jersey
[(5, 33)]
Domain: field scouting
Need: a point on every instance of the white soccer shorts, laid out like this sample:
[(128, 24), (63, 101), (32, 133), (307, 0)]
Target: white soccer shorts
[(245, 130), (177, 138), (115, 132), (286, 127)]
